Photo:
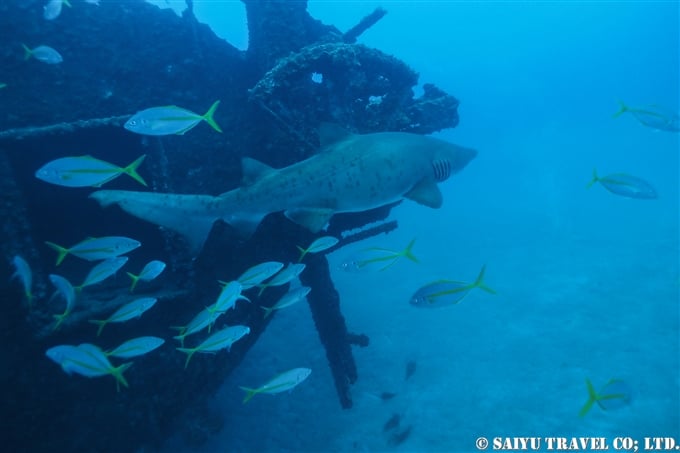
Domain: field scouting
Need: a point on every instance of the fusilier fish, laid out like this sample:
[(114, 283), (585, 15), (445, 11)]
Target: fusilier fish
[(87, 360), (136, 347), (24, 274), (653, 116), (52, 9), (286, 275), (447, 292), (281, 383), (134, 309), (377, 258), (151, 270), (319, 245), (291, 297), (169, 120), (625, 185), (102, 271), (258, 273), (86, 171), (46, 54), (222, 339), (95, 249), (352, 173), (66, 291)]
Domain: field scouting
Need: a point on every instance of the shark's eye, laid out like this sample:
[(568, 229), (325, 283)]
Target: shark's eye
[(441, 169)]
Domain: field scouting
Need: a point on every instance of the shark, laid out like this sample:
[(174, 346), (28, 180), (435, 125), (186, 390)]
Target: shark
[(350, 173)]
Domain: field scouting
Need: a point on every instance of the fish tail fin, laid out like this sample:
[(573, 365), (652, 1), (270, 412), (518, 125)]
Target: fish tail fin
[(117, 373), (303, 252), (190, 352), (408, 253), (592, 398), (135, 279), (30, 297), (79, 288), (479, 283), (99, 322), (60, 319), (249, 393), (267, 311), (594, 180), (623, 108), (208, 117), (131, 170), (27, 52), (61, 251), (67, 3), (262, 288)]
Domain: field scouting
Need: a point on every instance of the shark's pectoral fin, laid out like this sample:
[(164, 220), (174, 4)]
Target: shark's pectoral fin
[(245, 225), (426, 193), (312, 219)]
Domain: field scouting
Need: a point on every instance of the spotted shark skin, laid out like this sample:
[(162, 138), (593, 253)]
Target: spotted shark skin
[(351, 173)]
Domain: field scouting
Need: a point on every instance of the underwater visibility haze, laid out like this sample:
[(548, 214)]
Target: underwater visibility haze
[(338, 226)]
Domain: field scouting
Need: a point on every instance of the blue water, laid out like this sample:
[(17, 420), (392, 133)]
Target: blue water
[(588, 282)]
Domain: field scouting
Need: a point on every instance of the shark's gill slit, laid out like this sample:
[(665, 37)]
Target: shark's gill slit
[(442, 170)]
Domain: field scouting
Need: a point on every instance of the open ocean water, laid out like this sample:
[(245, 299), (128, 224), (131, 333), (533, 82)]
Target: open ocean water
[(587, 282)]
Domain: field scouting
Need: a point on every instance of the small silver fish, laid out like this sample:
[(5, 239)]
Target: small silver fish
[(319, 245), (222, 339), (65, 289), (169, 120), (447, 292), (46, 54), (204, 318), (86, 171), (102, 271), (24, 274), (52, 9), (134, 309), (151, 270), (625, 185), (653, 116), (286, 275), (291, 297), (258, 273), (228, 297), (87, 360), (377, 258), (95, 249), (281, 383), (136, 347)]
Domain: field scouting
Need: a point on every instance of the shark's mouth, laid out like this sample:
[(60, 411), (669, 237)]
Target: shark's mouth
[(441, 169)]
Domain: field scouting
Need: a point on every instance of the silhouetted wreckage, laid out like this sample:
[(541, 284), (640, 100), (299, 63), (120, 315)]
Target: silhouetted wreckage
[(122, 57)]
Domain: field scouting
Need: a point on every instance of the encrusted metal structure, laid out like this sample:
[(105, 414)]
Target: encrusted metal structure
[(295, 72)]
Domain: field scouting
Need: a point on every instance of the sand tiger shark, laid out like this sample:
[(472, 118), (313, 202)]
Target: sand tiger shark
[(350, 173)]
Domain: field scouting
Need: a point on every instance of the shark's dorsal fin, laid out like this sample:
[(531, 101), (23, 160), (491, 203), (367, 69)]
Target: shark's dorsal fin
[(426, 193), (330, 133), (253, 170), (312, 219)]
